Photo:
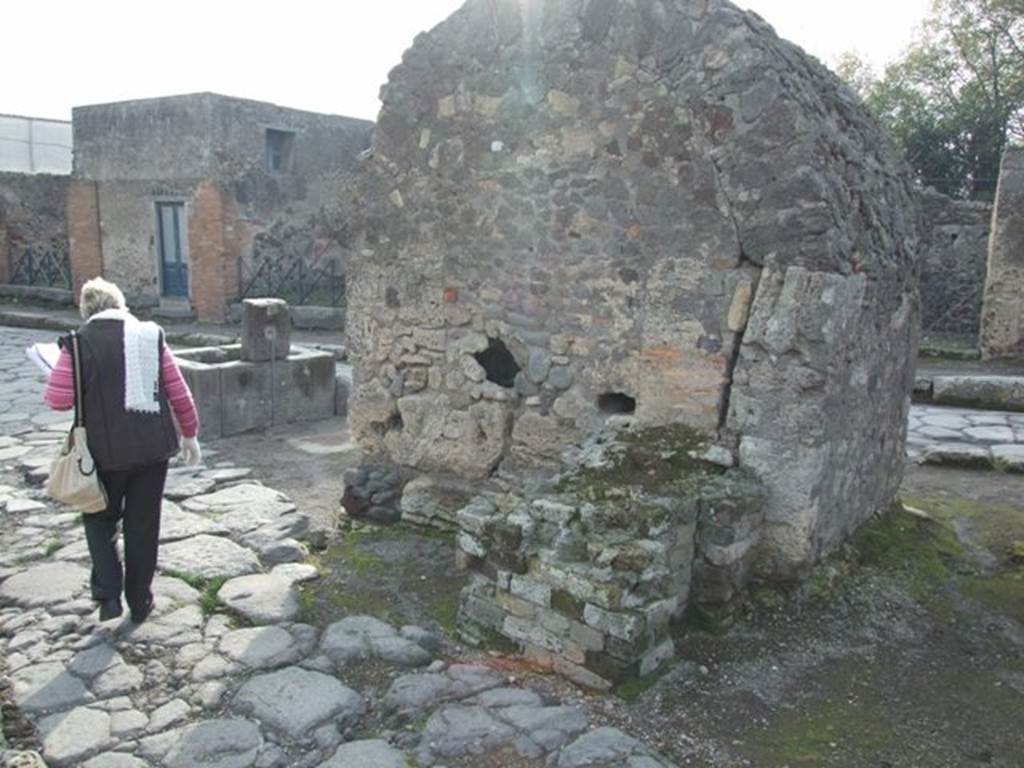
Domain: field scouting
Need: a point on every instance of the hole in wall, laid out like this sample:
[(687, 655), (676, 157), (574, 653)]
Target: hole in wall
[(498, 363), (393, 424), (616, 403)]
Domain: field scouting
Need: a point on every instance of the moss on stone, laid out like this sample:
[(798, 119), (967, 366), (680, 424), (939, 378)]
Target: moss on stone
[(1002, 592), (996, 526), (821, 732), (924, 550), (633, 688), (657, 460), (566, 604)]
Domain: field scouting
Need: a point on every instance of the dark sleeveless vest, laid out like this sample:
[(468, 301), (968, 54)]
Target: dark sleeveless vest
[(118, 439)]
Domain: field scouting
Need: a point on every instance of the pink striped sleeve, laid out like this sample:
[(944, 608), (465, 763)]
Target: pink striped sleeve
[(179, 394), (60, 389)]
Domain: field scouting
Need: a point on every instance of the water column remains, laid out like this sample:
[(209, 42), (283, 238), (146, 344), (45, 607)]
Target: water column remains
[(632, 308)]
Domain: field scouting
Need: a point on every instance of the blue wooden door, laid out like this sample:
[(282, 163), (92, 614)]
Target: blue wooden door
[(173, 258)]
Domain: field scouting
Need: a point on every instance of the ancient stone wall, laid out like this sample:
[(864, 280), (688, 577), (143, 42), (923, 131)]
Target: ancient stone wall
[(1002, 322), (586, 215), (954, 252), (32, 214)]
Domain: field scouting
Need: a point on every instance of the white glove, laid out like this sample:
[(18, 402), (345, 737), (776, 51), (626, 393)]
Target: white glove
[(190, 453)]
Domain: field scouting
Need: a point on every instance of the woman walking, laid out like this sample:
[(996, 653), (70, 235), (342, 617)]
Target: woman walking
[(130, 385)]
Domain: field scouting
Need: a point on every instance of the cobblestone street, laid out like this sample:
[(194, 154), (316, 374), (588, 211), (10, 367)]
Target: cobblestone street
[(224, 672)]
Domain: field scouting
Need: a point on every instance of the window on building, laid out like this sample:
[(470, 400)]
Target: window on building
[(279, 150)]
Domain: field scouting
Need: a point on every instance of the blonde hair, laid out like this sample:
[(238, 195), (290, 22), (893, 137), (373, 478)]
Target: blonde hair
[(99, 294)]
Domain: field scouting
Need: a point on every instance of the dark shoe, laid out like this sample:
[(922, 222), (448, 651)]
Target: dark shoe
[(110, 609), (141, 614)]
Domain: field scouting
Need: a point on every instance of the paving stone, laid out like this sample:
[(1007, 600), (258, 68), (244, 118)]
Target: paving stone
[(548, 728), (70, 737), (990, 434), (47, 687), (262, 599), (955, 454), (296, 572), (177, 628), (246, 507), (171, 713), (117, 681), (293, 701), (126, 724), (91, 661), (180, 487), (45, 584), (21, 506), (459, 730), (359, 637), (940, 433), (115, 760), (369, 753), (177, 524), (410, 694), (1009, 457), (508, 697), (607, 748), (208, 557), (215, 744), (262, 647)]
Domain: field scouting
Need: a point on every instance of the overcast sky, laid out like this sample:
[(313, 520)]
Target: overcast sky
[(308, 54)]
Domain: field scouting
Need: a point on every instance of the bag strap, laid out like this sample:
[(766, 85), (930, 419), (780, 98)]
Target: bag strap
[(79, 402)]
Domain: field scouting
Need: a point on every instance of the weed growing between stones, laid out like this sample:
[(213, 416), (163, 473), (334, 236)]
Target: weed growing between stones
[(52, 547), (209, 601)]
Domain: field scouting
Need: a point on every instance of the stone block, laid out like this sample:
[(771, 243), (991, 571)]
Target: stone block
[(204, 381), (320, 318), (306, 385), (247, 397), (266, 330), (342, 388)]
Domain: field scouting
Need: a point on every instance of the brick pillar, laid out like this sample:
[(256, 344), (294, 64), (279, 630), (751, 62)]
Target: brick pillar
[(1002, 314), (83, 211), (212, 250)]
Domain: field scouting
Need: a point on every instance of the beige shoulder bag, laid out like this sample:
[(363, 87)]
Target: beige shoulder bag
[(73, 477)]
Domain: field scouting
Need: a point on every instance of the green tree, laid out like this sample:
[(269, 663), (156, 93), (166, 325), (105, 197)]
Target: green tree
[(956, 97)]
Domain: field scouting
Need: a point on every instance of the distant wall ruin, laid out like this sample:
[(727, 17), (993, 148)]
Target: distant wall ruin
[(954, 253), (1002, 323), (584, 218)]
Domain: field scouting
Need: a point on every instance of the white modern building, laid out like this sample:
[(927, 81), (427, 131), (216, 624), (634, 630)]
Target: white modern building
[(35, 145)]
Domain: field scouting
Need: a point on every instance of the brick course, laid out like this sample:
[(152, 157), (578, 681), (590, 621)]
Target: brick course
[(84, 233)]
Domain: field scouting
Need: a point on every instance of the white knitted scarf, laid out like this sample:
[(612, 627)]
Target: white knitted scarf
[(141, 360)]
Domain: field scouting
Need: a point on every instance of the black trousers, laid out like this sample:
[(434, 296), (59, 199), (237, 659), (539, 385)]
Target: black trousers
[(133, 498)]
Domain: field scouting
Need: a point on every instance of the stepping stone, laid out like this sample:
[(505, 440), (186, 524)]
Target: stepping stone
[(370, 753), (69, 737), (208, 557), (294, 701), (45, 585), (262, 599)]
